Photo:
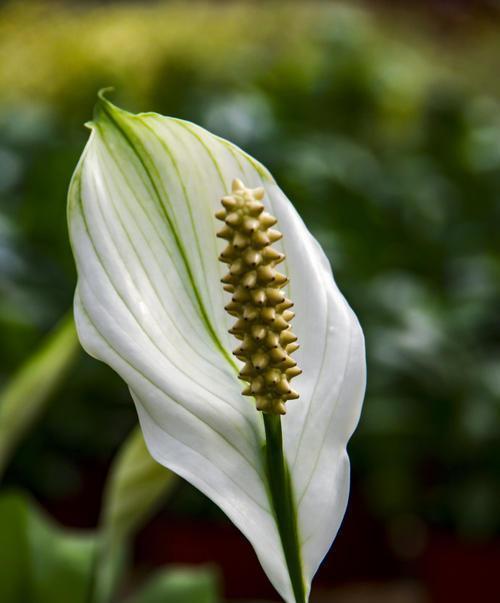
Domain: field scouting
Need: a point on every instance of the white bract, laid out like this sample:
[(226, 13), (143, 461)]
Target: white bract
[(149, 303)]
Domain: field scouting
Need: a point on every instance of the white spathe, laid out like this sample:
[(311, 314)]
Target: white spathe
[(150, 304)]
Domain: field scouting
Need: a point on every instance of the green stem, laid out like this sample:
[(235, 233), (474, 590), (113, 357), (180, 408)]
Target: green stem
[(283, 503)]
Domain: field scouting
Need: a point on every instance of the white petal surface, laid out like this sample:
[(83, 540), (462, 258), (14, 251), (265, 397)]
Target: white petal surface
[(149, 304)]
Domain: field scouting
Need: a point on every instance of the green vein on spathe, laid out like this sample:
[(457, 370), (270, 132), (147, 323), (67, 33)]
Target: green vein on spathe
[(163, 129), (151, 222), (188, 126), (146, 273), (234, 151), (77, 182), (185, 194), (108, 109)]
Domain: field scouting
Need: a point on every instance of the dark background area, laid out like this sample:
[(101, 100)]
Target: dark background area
[(381, 122)]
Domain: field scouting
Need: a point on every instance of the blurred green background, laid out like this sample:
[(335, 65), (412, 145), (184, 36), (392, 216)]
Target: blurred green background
[(383, 127)]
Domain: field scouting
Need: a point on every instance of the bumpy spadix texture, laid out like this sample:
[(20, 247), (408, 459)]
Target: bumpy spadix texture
[(149, 303), (258, 302)]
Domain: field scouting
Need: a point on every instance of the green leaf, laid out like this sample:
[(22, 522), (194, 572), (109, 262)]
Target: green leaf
[(180, 585), (39, 561), (136, 485), (14, 550), (26, 395)]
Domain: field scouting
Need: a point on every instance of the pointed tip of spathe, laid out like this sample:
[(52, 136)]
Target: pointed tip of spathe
[(106, 111), (101, 95), (104, 108), (103, 103)]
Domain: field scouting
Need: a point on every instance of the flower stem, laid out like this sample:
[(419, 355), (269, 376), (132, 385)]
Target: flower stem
[(283, 502)]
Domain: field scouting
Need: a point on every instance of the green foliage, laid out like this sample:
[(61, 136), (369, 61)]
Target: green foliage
[(136, 484), (179, 585), (42, 563), (26, 395), (39, 562)]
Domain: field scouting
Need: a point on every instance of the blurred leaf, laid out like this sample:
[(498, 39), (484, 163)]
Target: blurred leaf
[(40, 562), (135, 486), (61, 563), (14, 550), (180, 585), (24, 398)]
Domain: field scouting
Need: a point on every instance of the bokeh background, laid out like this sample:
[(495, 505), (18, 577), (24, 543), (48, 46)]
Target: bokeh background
[(381, 121)]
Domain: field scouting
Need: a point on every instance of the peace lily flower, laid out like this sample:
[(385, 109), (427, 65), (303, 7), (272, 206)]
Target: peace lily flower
[(149, 302)]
